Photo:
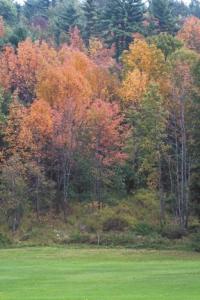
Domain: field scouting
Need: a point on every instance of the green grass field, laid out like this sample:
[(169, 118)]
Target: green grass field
[(98, 274)]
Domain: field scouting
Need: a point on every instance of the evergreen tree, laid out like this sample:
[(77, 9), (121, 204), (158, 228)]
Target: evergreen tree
[(195, 8), (135, 10), (180, 9), (162, 11), (8, 11), (66, 16), (119, 20), (100, 3), (90, 14), (34, 8)]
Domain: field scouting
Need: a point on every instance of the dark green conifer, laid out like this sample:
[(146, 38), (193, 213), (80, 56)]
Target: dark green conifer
[(90, 15)]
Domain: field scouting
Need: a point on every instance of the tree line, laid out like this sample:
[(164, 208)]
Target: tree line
[(98, 100)]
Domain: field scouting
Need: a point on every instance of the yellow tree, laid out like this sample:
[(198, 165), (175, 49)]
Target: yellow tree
[(143, 64)]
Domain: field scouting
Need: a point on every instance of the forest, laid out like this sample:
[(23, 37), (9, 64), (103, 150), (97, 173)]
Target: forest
[(99, 118)]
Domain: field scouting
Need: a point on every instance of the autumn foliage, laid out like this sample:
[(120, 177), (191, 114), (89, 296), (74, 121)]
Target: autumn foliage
[(61, 108), (190, 33), (144, 64), (76, 123)]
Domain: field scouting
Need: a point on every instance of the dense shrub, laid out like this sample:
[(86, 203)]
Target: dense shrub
[(115, 223), (173, 232), (4, 241), (196, 242), (145, 206), (144, 229)]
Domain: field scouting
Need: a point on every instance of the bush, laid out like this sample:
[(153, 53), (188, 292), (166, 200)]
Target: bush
[(144, 229), (173, 233), (79, 238), (4, 241), (115, 224), (196, 242), (145, 206)]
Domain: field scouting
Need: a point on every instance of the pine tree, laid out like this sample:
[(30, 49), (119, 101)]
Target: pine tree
[(8, 11), (90, 14), (162, 11), (195, 8), (34, 8), (135, 10), (119, 20), (66, 17)]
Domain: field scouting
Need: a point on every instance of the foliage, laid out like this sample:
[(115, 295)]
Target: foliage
[(195, 8), (143, 64), (91, 19), (13, 191), (190, 33), (163, 14), (166, 43), (8, 11), (119, 20), (4, 241), (196, 242), (92, 111), (173, 232)]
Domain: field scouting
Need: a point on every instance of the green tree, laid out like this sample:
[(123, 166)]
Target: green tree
[(65, 16), (162, 11), (119, 20), (166, 43), (13, 190), (90, 15), (8, 11), (195, 8), (33, 8), (149, 142), (41, 189)]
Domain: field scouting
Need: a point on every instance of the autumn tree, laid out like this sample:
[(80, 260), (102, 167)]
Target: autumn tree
[(106, 142), (69, 101), (13, 127), (143, 64), (24, 71), (35, 139), (100, 54), (190, 33), (8, 63)]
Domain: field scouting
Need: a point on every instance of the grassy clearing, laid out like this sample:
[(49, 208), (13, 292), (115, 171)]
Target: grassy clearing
[(98, 274)]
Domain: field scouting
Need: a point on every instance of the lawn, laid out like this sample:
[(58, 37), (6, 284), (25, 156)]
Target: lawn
[(98, 274)]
